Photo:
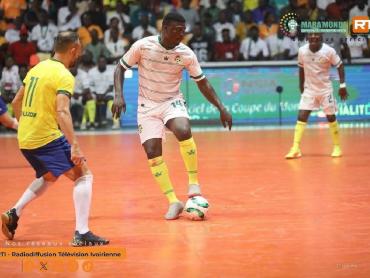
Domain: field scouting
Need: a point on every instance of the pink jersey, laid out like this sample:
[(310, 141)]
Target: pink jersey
[(317, 68), (160, 70)]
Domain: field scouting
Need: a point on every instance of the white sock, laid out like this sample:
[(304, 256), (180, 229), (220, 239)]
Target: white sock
[(35, 189), (82, 199)]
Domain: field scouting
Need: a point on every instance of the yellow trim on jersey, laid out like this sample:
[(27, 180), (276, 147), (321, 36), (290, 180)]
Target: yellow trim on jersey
[(38, 124)]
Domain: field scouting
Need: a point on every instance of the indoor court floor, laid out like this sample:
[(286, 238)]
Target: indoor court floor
[(268, 217)]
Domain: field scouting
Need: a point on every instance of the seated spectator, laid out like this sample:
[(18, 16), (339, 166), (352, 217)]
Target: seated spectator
[(44, 33), (68, 17), (275, 46), (81, 90), (116, 45), (213, 10), (208, 30), (97, 48), (226, 50), (12, 33), (13, 8), (144, 29), (292, 7), (200, 44), (291, 46), (97, 14), (358, 47), (143, 9), (31, 15), (219, 3), (113, 24), (359, 10), (242, 28), (10, 75), (334, 10), (222, 24), (268, 27), (263, 7), (234, 12), (101, 84), (121, 13), (22, 50), (191, 15), (314, 12), (253, 48), (86, 28)]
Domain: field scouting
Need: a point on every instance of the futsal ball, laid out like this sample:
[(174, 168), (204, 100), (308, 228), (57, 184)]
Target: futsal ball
[(196, 208)]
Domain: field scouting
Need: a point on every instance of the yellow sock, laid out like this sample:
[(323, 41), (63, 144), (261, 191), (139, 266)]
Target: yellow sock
[(91, 110), (160, 172), (334, 131), (109, 107), (189, 154), (298, 133)]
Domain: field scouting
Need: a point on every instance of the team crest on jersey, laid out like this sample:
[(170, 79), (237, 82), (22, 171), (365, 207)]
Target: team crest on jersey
[(322, 60), (178, 60)]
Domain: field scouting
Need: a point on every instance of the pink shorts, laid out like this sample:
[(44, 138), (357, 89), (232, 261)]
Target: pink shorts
[(152, 117), (314, 102)]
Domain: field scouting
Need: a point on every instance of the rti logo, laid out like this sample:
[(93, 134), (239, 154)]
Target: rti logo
[(289, 24), (360, 24)]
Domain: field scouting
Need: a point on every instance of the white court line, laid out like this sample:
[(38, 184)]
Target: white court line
[(358, 125)]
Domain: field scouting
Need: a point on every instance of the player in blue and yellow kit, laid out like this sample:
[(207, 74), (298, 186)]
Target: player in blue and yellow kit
[(41, 105)]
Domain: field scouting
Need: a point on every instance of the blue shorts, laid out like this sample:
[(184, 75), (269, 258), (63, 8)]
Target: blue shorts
[(55, 157), (3, 107)]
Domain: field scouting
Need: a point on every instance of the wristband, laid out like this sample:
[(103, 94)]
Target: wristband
[(342, 85)]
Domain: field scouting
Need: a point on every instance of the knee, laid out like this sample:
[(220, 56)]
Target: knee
[(183, 133), (49, 177), (152, 152)]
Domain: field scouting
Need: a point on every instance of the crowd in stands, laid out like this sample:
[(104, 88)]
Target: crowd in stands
[(217, 30)]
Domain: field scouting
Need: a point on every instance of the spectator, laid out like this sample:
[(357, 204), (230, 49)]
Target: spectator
[(97, 14), (242, 28), (191, 16), (10, 75), (68, 17), (219, 3), (334, 10), (322, 4), (81, 89), (12, 34), (223, 24), (144, 9), (113, 24), (358, 47), (359, 10), (116, 45), (275, 46), (200, 44), (88, 118), (12, 8), (253, 48), (86, 28), (96, 47), (234, 12), (213, 10), (292, 7), (22, 50), (250, 5), (291, 46), (337, 41), (31, 16), (268, 27), (101, 84), (314, 12), (259, 13), (44, 33), (226, 50), (144, 29), (121, 13), (208, 30)]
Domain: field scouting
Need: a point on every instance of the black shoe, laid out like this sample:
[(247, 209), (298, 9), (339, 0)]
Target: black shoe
[(9, 221), (88, 239)]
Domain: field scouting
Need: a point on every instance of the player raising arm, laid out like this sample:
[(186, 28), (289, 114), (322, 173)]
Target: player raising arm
[(161, 60)]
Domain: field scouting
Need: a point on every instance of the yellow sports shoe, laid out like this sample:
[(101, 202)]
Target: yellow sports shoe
[(337, 152), (294, 153)]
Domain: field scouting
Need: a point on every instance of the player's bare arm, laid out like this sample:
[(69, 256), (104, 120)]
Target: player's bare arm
[(119, 103), (17, 103), (64, 119), (342, 87), (207, 90), (301, 79)]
